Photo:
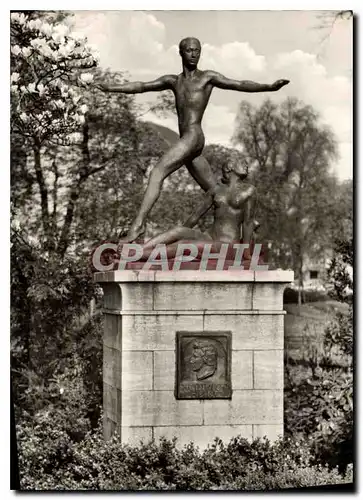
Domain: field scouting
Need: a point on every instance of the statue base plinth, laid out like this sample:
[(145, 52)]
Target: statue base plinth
[(194, 265), (193, 354)]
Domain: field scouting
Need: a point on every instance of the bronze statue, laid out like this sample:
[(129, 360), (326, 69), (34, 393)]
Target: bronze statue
[(192, 89), (234, 202)]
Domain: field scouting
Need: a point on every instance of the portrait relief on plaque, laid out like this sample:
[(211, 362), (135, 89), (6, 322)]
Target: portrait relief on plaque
[(203, 368)]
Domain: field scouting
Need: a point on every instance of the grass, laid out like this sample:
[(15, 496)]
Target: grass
[(308, 322)]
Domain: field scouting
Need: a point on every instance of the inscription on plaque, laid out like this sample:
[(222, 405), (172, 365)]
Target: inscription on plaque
[(203, 369)]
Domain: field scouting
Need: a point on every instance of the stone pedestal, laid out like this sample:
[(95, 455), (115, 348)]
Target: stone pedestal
[(193, 354)]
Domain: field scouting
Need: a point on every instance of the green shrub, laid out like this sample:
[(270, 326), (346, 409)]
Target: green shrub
[(339, 333), (50, 459), (291, 478), (56, 344), (318, 394), (319, 386)]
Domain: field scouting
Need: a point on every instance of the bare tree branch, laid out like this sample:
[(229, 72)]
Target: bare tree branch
[(329, 20)]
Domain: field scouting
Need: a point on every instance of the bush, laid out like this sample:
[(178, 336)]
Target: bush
[(320, 407), (319, 386), (319, 394), (54, 462), (339, 333), (54, 339), (294, 478)]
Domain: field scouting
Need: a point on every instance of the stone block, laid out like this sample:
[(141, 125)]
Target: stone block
[(183, 296), (268, 370), (137, 370), (132, 275), (272, 432), (156, 332), (116, 276), (259, 331), (246, 407), (112, 298), (242, 373), (134, 435), (137, 296), (277, 276), (202, 436), (112, 330), (159, 408), (164, 370), (112, 366), (110, 427), (112, 402), (268, 296), (210, 277)]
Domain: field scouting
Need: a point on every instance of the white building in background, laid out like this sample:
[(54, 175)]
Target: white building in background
[(315, 272)]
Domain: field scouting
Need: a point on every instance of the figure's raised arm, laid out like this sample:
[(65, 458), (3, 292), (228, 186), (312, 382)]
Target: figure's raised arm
[(223, 82), (163, 83)]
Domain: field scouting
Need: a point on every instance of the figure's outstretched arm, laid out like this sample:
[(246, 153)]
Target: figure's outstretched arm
[(163, 83), (223, 82)]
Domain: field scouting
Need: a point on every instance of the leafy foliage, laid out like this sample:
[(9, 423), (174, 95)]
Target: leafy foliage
[(94, 464), (319, 397), (47, 62), (53, 335), (290, 153)]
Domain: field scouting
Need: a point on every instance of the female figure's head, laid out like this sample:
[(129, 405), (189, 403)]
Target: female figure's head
[(235, 164)]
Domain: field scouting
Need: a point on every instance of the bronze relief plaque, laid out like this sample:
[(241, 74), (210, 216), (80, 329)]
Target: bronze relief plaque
[(203, 365)]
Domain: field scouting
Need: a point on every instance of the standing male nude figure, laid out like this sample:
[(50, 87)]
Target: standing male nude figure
[(192, 90)]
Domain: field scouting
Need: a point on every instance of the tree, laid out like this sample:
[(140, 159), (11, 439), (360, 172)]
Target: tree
[(328, 19), (290, 153), (73, 145), (46, 103), (111, 197), (59, 155)]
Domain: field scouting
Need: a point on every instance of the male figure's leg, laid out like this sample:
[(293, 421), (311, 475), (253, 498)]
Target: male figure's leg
[(202, 173), (179, 154)]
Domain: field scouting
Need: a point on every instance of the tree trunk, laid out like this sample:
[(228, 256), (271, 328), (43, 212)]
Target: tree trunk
[(75, 194), (55, 196), (49, 237), (301, 283), (66, 230)]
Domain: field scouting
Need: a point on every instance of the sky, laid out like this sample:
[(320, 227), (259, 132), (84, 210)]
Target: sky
[(263, 46)]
